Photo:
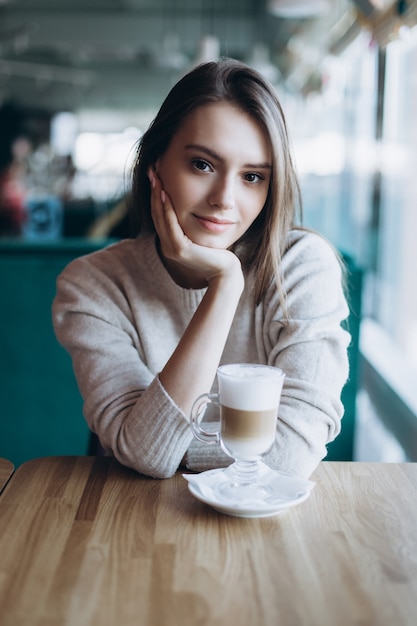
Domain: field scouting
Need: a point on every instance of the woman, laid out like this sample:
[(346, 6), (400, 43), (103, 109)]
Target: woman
[(217, 274)]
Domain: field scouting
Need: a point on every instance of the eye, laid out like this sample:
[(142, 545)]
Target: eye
[(253, 177), (202, 165)]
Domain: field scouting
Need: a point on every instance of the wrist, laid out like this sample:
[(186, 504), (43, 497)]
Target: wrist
[(233, 280)]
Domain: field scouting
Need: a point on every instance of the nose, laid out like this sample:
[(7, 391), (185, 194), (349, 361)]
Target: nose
[(222, 194)]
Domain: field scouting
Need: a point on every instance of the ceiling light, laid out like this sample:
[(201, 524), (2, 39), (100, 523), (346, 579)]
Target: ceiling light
[(260, 60), (298, 8), (169, 55), (208, 50)]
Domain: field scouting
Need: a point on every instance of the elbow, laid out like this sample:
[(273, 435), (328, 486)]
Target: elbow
[(149, 462)]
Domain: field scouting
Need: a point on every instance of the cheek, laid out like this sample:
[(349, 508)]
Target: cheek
[(177, 196), (262, 200), (253, 205), (185, 193)]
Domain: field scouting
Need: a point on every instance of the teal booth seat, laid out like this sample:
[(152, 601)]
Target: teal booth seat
[(342, 448), (40, 406)]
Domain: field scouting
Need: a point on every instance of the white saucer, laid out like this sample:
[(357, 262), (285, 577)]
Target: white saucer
[(287, 491)]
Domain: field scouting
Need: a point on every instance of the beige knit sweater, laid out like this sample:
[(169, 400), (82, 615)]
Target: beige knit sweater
[(120, 315)]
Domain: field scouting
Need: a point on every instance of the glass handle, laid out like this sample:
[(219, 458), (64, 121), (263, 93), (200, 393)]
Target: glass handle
[(197, 412)]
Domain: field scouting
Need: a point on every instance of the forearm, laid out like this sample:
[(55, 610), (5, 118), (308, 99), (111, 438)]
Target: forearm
[(192, 367)]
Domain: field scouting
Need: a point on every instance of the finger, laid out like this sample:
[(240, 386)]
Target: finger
[(157, 208), (172, 229), (164, 219)]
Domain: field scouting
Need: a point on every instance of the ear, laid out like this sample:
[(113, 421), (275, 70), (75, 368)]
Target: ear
[(156, 169)]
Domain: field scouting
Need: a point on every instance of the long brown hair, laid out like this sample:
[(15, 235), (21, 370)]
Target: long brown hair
[(261, 248)]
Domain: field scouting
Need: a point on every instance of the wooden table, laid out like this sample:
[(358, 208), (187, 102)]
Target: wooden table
[(6, 470), (84, 541)]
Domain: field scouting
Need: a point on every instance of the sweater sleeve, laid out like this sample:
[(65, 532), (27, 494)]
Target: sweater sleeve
[(312, 350), (124, 402)]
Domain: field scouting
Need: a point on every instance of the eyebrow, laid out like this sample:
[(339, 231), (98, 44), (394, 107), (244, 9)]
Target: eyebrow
[(211, 153)]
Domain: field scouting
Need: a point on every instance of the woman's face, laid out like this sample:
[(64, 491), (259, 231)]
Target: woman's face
[(216, 171)]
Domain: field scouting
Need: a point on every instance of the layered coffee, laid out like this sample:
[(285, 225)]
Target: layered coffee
[(248, 397), (247, 433), (249, 400)]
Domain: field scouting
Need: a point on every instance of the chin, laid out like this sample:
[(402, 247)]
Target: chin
[(212, 242), (209, 240)]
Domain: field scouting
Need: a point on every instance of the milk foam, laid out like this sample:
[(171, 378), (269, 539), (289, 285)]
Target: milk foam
[(250, 387)]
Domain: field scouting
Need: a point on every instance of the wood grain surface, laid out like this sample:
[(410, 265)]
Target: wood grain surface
[(6, 470), (85, 541)]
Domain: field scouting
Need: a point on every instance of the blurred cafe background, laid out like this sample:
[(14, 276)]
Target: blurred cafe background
[(80, 81)]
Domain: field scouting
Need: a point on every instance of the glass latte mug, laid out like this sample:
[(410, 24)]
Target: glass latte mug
[(248, 399)]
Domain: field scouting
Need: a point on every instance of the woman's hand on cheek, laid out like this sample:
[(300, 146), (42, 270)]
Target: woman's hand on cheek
[(207, 263), (172, 238)]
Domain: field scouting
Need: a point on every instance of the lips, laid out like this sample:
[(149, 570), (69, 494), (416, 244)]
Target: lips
[(213, 224)]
